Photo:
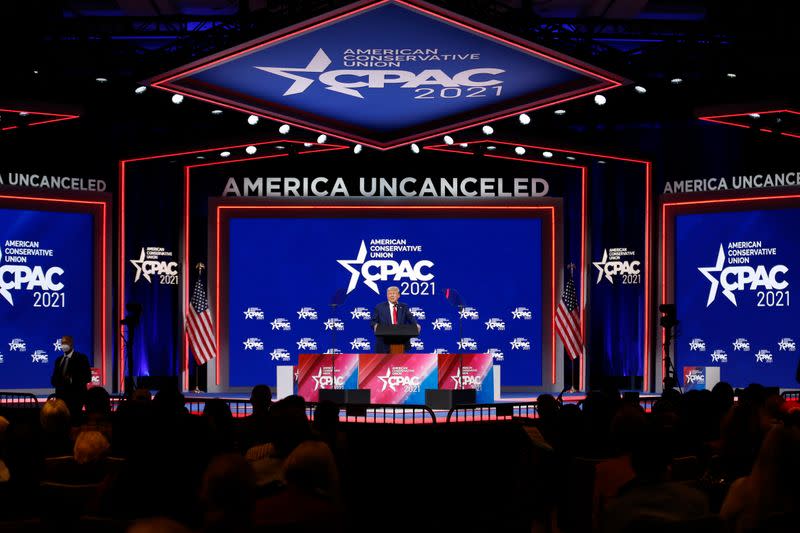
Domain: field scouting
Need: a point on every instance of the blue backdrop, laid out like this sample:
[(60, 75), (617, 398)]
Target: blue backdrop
[(283, 273), (747, 329), (58, 247)]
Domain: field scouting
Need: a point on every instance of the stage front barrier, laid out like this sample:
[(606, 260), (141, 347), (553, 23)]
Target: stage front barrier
[(394, 379), (791, 395), (18, 399)]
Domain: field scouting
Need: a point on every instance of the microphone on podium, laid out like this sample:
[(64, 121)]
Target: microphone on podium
[(452, 296)]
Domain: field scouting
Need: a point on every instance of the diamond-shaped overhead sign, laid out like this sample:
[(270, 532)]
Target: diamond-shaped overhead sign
[(386, 73)]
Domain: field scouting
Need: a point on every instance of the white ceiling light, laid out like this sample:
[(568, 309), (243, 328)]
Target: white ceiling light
[(322, 139), (101, 80), (639, 89), (415, 148), (140, 89), (216, 111), (464, 145), (731, 75), (524, 119), (571, 157), (547, 155), (487, 129), (251, 150), (177, 98), (755, 115), (252, 120), (676, 81), (599, 99), (357, 149), (284, 129), (225, 154), (560, 111), (519, 150), (448, 140)]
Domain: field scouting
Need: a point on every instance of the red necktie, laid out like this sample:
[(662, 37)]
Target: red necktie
[(394, 313)]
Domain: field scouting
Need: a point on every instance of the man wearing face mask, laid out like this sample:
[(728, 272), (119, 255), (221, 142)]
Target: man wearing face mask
[(70, 376)]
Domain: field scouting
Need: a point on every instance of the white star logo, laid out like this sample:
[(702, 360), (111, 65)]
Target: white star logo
[(317, 379), (706, 271), (354, 273), (138, 264), (600, 265), (57, 345), (385, 380), (457, 378), (318, 63)]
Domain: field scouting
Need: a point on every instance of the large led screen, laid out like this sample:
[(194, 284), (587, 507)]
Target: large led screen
[(284, 273)]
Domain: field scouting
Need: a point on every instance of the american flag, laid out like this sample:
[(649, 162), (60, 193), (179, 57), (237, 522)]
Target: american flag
[(568, 321), (199, 327)]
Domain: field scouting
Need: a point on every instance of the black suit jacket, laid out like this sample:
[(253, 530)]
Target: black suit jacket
[(78, 374), (382, 316)]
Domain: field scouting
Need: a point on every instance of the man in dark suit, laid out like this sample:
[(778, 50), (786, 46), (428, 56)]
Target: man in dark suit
[(391, 312), (70, 376)]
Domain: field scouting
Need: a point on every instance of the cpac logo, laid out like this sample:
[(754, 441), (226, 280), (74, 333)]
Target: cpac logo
[(343, 81), (697, 345), (764, 356), (417, 344), (520, 343), (496, 354), (13, 277), (279, 354), (383, 270), (325, 382), (468, 313), (409, 383), (254, 343), (787, 344), (495, 324), (254, 313), (467, 344), (417, 312), (696, 377), (741, 344), (360, 343), (360, 313), (738, 278), (306, 343), (39, 356), (17, 345), (466, 382), (146, 268), (281, 324), (307, 313), (719, 356), (1, 359), (334, 324), (609, 269), (332, 351), (442, 324), (521, 313), (440, 351), (57, 344)]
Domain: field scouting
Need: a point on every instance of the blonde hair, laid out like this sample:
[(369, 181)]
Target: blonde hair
[(90, 447), (311, 466), (54, 416)]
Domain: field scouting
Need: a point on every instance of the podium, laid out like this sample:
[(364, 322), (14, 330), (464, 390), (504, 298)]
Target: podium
[(396, 336)]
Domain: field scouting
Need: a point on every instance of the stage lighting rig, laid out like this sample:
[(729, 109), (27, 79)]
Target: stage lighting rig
[(668, 321)]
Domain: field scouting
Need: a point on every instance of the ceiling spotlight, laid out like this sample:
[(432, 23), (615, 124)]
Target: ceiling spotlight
[(251, 150), (560, 111), (464, 145), (524, 119), (487, 129), (491, 147), (601, 162), (415, 148), (284, 129), (571, 157), (731, 75), (280, 147), (599, 99), (140, 89), (308, 145), (547, 155), (36, 72), (201, 157), (23, 113), (225, 154), (252, 120), (755, 115), (322, 139), (101, 80), (519, 150), (216, 111), (639, 89), (177, 98), (676, 81), (357, 149), (448, 140)]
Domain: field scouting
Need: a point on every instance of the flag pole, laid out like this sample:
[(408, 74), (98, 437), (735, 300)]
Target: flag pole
[(199, 267)]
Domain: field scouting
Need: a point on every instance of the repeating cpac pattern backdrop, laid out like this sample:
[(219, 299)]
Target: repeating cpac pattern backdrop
[(283, 273)]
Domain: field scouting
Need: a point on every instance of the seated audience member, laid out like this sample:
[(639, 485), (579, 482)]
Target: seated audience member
[(311, 497), (228, 495), (98, 412), (254, 428), (771, 488), (220, 425), (740, 439), (55, 421), (650, 498), (326, 425), (614, 473), (290, 427), (157, 525), (90, 447), (5, 475)]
